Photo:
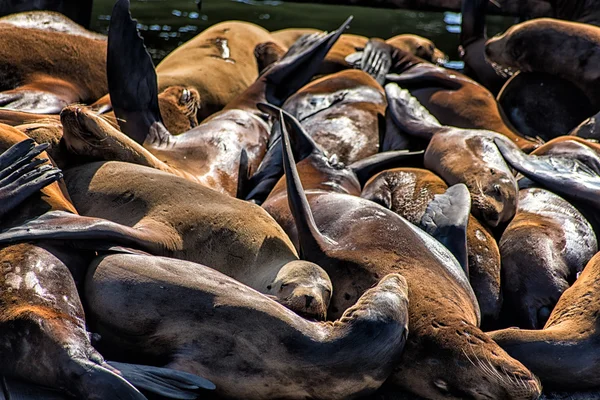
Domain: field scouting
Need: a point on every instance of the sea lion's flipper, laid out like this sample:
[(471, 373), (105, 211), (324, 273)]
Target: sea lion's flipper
[(367, 167), (588, 129), (424, 76), (243, 176), (565, 176), (299, 65), (271, 168), (101, 381), (165, 382), (32, 99), (376, 59), (408, 114), (132, 81), (22, 175), (473, 21), (61, 225), (446, 219), (312, 242)]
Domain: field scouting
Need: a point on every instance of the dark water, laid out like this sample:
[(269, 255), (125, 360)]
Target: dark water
[(165, 24)]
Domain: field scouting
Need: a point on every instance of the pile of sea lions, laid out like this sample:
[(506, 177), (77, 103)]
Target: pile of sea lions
[(299, 214)]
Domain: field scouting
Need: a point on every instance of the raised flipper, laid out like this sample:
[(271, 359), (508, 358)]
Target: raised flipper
[(21, 174), (409, 115), (367, 167), (132, 81), (61, 225), (299, 64), (271, 168), (376, 59), (424, 76), (565, 176), (165, 382), (446, 219), (312, 242)]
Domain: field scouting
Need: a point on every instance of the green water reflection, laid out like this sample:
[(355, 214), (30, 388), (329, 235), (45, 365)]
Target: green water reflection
[(165, 24)]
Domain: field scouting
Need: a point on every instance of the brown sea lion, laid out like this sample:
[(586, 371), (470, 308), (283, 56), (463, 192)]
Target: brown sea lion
[(203, 154), (42, 326), (78, 10), (250, 346), (447, 355), (550, 46), (543, 249), (563, 354), (453, 98), (458, 155), (42, 72), (342, 112), (219, 64), (50, 21), (419, 46), (407, 192)]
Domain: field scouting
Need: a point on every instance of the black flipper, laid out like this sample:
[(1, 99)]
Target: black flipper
[(409, 115), (424, 76), (446, 219), (472, 26), (271, 168), (367, 167), (61, 225), (165, 382), (22, 175), (377, 59), (565, 176), (132, 81), (312, 242), (299, 64), (243, 176)]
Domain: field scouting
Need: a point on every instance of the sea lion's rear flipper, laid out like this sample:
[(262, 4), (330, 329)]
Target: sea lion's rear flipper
[(565, 176), (424, 76), (312, 242), (367, 167), (446, 219), (271, 168), (22, 175), (409, 115), (132, 81), (48, 96), (165, 382), (376, 59), (61, 225), (299, 64)]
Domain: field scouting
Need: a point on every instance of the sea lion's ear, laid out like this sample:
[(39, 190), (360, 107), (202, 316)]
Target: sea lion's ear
[(166, 382), (446, 219), (408, 114), (299, 64), (312, 242), (565, 176), (369, 166), (132, 81)]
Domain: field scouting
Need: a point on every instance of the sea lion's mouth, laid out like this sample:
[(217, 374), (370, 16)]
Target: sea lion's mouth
[(501, 70)]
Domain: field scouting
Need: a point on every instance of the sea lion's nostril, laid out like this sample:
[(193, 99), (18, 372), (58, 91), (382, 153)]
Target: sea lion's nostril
[(308, 300)]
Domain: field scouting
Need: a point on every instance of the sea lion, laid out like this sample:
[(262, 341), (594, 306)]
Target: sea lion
[(453, 98), (218, 63), (78, 11), (458, 155), (419, 46), (527, 100), (239, 338), (586, 11), (550, 46), (563, 354), (42, 72), (446, 355), (50, 21), (407, 192), (342, 112), (572, 147), (543, 249), (202, 154)]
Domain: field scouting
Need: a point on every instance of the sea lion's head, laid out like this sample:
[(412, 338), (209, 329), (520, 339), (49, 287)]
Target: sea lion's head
[(456, 360), (304, 288), (420, 47)]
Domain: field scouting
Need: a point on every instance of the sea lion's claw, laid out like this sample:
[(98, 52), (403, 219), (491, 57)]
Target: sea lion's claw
[(377, 59)]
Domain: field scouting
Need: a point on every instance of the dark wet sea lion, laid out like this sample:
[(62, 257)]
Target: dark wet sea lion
[(527, 100), (564, 355), (567, 50), (453, 98), (586, 11), (407, 192), (43, 72), (543, 249), (458, 155), (342, 112), (219, 63), (249, 345), (446, 355)]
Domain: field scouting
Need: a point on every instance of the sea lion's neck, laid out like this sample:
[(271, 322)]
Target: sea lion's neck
[(402, 60), (249, 98)]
